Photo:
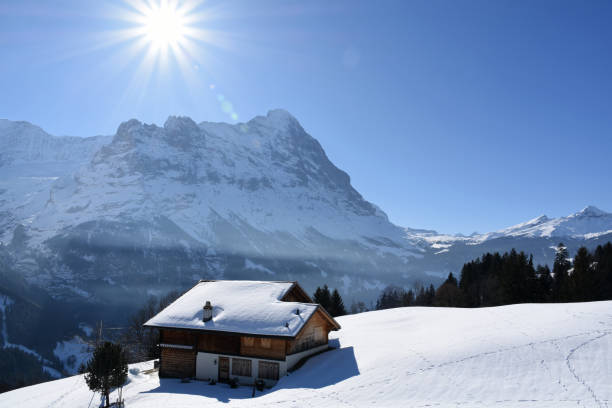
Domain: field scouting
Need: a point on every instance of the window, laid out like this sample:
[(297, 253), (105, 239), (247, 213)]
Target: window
[(268, 370), (248, 341), (241, 367), (265, 343)]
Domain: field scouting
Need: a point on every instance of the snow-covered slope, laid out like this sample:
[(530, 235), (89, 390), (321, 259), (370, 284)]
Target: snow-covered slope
[(547, 355)]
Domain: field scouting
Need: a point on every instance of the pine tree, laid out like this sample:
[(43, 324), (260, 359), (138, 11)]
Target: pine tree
[(602, 259), (545, 283), (337, 305), (107, 369), (316, 297), (561, 290), (322, 296), (582, 278), (448, 295), (451, 280)]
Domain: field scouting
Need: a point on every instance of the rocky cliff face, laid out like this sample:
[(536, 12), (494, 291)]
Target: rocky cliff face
[(159, 207)]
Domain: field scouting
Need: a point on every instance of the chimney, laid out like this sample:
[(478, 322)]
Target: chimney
[(207, 311)]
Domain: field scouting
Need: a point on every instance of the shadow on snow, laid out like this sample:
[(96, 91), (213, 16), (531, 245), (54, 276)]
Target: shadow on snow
[(320, 371)]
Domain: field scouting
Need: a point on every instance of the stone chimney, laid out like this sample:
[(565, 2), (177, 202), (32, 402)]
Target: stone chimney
[(207, 311)]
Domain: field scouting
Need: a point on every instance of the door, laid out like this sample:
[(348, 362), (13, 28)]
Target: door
[(224, 369)]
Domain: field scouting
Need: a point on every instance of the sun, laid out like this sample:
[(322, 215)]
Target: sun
[(168, 40), (164, 25)]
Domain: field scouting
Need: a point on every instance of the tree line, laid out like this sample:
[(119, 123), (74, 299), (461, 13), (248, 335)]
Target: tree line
[(331, 301), (499, 279)]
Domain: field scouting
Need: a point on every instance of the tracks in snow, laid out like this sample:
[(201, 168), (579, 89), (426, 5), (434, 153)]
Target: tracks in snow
[(578, 378)]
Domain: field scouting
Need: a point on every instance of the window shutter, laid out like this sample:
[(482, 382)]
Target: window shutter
[(241, 367), (268, 370)]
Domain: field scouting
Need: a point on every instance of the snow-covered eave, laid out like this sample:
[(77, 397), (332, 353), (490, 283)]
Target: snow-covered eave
[(230, 332), (335, 326)]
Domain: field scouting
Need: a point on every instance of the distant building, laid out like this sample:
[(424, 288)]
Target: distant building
[(248, 330)]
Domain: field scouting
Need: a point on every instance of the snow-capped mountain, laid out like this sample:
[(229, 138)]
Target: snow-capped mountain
[(587, 223), (539, 236), (93, 226), (268, 174), (256, 193)]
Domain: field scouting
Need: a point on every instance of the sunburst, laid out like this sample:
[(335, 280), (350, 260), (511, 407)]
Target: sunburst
[(158, 39), (164, 26)]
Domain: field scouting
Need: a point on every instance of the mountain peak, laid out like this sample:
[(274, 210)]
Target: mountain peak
[(539, 220), (280, 115), (277, 118), (180, 123), (127, 127), (591, 211), (10, 127)]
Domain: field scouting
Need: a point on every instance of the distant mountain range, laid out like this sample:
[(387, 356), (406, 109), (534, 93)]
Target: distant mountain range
[(92, 226)]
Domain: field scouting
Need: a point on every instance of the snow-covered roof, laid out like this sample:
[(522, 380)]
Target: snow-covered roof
[(247, 307)]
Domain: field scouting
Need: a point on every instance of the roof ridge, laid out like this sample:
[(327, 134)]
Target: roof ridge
[(246, 280)]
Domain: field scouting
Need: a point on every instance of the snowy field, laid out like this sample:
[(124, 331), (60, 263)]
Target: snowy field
[(557, 355)]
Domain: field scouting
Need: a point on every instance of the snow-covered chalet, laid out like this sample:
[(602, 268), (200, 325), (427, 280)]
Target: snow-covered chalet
[(249, 330)]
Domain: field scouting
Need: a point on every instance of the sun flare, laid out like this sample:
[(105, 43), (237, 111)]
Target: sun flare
[(164, 25), (163, 38)]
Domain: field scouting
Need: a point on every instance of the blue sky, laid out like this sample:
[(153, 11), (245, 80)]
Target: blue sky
[(459, 116)]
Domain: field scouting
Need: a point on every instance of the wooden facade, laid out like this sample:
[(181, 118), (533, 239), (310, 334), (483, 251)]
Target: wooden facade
[(177, 363), (313, 334), (242, 353), (264, 347)]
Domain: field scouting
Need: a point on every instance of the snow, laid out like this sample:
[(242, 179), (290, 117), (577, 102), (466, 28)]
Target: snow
[(588, 223), (52, 372), (87, 329), (546, 355), (250, 307), (72, 353), (268, 174), (248, 264)]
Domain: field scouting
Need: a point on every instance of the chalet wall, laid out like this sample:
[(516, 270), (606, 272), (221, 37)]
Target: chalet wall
[(263, 347), (219, 343), (207, 368), (177, 363), (315, 333), (184, 337)]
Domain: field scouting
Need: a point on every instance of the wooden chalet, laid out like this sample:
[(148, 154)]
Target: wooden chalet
[(248, 330)]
